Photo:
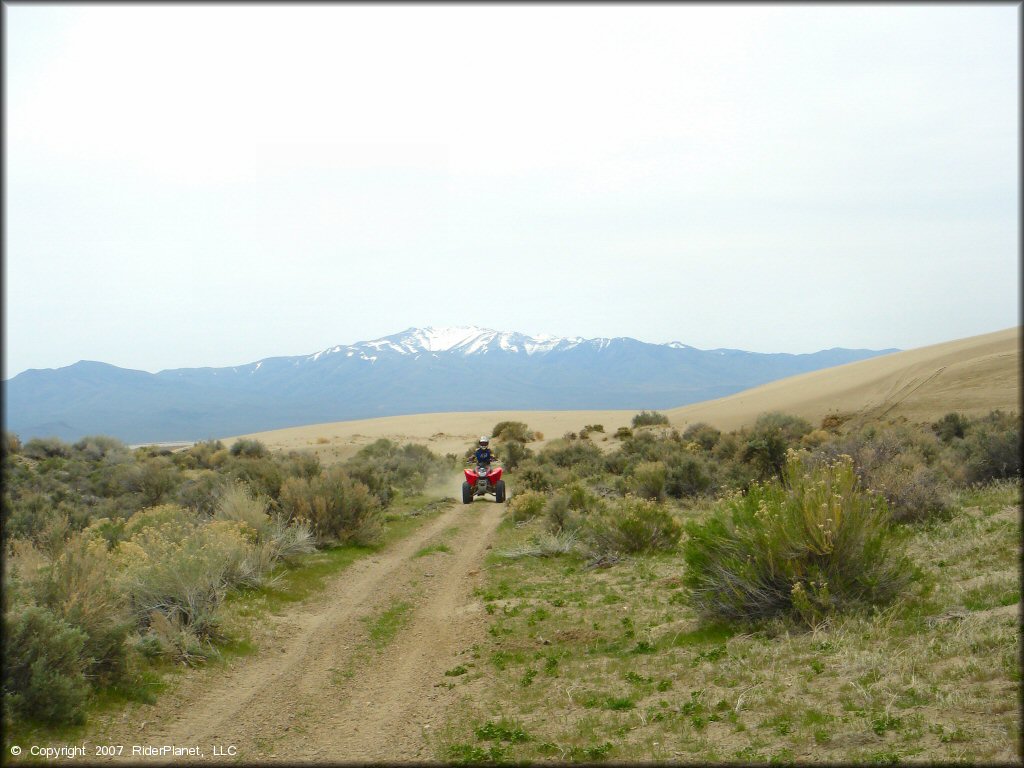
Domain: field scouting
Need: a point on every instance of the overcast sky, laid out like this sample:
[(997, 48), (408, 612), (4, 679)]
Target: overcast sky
[(211, 185)]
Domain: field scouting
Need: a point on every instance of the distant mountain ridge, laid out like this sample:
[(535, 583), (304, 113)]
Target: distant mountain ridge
[(416, 371)]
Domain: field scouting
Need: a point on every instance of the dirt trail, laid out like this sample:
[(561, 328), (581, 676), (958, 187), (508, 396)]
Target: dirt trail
[(327, 693)]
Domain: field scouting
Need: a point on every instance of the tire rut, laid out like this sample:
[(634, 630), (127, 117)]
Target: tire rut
[(327, 694)]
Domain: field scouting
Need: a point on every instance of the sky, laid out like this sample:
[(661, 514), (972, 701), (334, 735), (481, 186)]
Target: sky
[(210, 185)]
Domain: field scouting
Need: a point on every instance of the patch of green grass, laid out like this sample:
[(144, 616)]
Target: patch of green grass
[(781, 724), (594, 753), (711, 654), (883, 721), (383, 628), (618, 703), (502, 730), (711, 633), (432, 548), (992, 595), (637, 679), (471, 754)]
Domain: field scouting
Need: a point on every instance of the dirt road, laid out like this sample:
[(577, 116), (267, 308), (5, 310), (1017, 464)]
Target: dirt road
[(326, 691)]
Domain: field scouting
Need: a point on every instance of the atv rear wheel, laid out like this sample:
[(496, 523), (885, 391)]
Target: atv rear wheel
[(499, 491), (467, 493)]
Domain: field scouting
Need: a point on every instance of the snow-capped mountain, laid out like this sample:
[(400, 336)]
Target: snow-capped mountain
[(462, 340), (416, 371)]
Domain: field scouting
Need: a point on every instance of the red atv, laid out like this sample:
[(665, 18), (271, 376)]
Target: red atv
[(483, 480)]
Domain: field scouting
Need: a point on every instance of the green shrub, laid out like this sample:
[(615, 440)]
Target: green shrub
[(11, 444), (649, 480), (156, 481), (536, 476), (898, 462), (991, 448), (913, 491), (173, 519), (238, 502), (632, 525), (727, 448), (286, 539), (261, 474), (526, 505), (644, 446), (249, 448), (200, 455), (46, 448), (702, 434), (96, 447), (811, 546), (28, 516), (43, 674), (183, 570), (950, 426), (513, 453), (337, 508), (385, 467), (512, 430), (581, 498), (559, 515), (616, 462), (200, 492), (544, 544), (792, 428), (623, 432), (765, 445), (583, 458), (686, 477), (649, 419), (302, 464), (78, 587)]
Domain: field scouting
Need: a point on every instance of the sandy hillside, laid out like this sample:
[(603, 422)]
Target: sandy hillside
[(971, 375)]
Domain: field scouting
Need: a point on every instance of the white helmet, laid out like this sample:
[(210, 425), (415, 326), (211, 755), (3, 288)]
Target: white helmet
[(484, 441)]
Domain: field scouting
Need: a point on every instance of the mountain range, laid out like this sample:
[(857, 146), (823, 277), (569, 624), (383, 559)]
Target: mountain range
[(419, 370)]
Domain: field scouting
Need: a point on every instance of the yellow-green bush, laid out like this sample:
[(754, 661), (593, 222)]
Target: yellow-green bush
[(512, 430), (78, 587), (183, 569), (814, 544), (337, 508), (238, 502), (629, 526), (526, 505), (649, 480), (649, 419)]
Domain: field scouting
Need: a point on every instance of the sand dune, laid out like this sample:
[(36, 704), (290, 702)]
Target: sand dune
[(972, 375)]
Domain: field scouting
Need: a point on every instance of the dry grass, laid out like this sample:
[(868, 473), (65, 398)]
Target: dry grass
[(614, 663)]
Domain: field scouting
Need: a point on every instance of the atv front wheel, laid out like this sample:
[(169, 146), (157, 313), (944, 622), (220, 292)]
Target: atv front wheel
[(499, 491), (467, 493)]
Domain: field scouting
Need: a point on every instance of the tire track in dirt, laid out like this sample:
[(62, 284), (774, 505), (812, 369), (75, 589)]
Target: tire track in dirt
[(297, 703)]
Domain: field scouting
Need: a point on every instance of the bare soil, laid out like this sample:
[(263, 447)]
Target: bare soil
[(323, 691)]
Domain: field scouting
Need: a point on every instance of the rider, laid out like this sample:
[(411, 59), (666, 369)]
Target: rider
[(483, 453)]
